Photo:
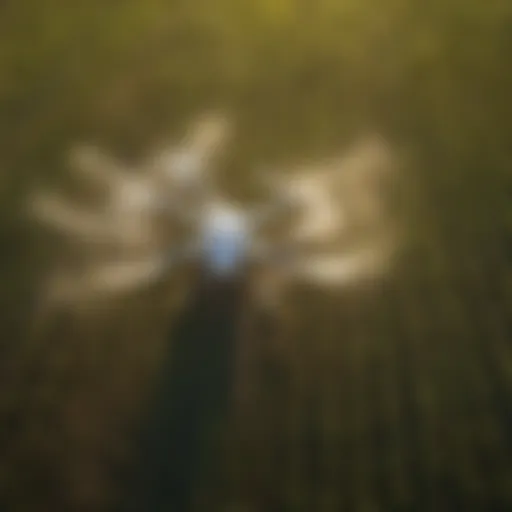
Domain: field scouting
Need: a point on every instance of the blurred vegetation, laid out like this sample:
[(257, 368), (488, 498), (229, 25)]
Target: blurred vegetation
[(409, 392)]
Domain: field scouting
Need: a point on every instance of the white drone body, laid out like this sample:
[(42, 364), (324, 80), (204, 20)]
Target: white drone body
[(341, 231)]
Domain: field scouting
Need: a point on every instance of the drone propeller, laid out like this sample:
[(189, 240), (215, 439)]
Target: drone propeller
[(343, 230), (189, 165), (114, 278), (127, 220)]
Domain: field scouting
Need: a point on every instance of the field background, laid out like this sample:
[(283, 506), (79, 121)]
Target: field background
[(397, 398)]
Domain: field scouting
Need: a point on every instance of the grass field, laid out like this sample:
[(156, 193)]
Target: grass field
[(395, 397)]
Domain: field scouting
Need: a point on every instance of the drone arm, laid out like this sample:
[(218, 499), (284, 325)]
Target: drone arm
[(272, 211), (55, 212), (176, 209), (92, 163), (117, 278), (149, 270), (277, 255), (344, 269)]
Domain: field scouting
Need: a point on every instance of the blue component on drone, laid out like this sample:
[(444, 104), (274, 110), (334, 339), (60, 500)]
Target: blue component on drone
[(225, 252), (225, 242)]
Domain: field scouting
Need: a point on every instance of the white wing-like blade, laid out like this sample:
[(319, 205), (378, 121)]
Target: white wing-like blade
[(351, 266), (343, 229), (209, 133), (188, 166), (66, 218), (92, 163), (129, 190), (107, 280), (114, 278), (118, 224)]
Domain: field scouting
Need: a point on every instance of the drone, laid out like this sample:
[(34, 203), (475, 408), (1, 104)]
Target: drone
[(168, 210)]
